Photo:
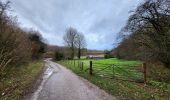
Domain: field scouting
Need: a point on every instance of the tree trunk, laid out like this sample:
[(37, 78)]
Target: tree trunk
[(79, 53), (72, 50), (72, 53)]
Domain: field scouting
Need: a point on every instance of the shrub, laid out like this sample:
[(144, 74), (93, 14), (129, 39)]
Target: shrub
[(59, 55)]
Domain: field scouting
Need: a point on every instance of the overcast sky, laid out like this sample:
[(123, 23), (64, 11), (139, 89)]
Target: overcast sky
[(98, 20)]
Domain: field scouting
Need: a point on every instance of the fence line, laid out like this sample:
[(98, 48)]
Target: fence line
[(114, 71)]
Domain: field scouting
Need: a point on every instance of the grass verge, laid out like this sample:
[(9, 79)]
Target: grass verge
[(126, 90), (19, 79)]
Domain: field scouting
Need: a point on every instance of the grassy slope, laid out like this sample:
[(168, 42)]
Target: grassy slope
[(124, 89), (18, 80)]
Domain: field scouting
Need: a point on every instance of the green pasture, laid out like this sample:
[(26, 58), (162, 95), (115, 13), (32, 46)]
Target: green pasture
[(119, 85), (112, 68)]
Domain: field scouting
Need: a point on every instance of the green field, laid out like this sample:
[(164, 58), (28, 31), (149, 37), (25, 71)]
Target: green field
[(122, 80), (112, 68), (115, 61)]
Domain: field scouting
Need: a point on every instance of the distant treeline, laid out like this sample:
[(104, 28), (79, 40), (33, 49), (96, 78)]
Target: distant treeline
[(17, 46), (149, 28), (51, 49)]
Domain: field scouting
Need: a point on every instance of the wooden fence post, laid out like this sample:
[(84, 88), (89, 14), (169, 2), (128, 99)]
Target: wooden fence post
[(78, 64), (82, 66), (74, 62), (145, 72), (91, 69), (113, 69)]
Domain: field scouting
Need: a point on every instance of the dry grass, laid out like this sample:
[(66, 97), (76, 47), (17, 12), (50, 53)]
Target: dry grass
[(18, 79), (158, 72)]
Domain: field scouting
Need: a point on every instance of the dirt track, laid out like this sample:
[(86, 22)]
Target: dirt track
[(60, 83)]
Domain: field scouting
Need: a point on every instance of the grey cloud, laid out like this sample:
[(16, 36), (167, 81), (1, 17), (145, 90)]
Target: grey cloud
[(99, 20)]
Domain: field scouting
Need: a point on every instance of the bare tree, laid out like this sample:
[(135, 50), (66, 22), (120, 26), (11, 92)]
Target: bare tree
[(4, 18), (149, 26), (80, 43), (70, 40)]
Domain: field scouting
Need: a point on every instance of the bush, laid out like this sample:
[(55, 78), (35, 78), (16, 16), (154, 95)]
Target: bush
[(107, 54), (16, 45), (37, 44), (59, 56)]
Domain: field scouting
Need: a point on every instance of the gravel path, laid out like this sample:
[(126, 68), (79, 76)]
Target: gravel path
[(60, 83)]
